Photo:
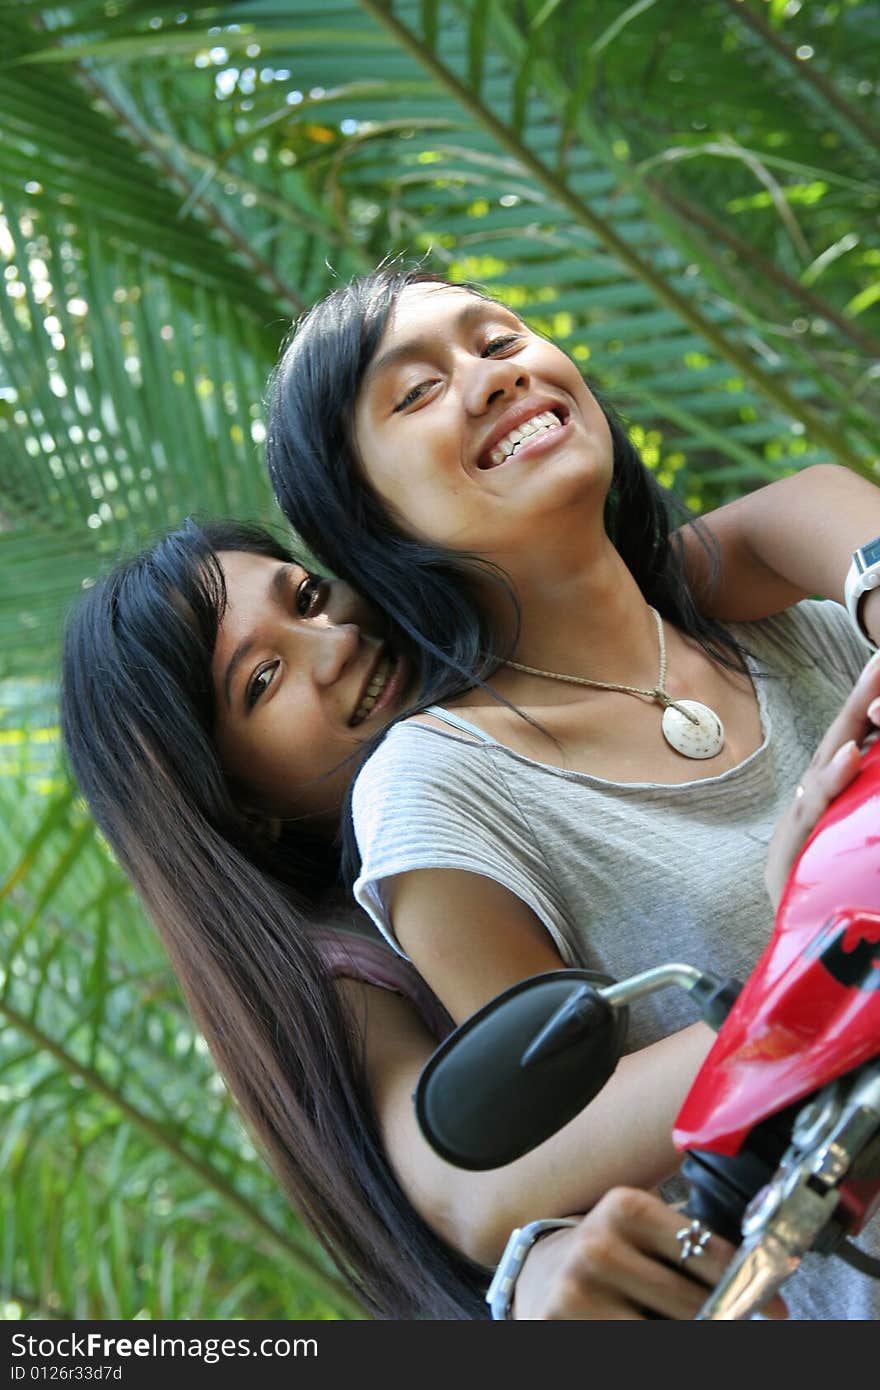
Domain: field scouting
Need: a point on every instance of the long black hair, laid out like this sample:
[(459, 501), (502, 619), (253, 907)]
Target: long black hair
[(238, 912), (430, 592)]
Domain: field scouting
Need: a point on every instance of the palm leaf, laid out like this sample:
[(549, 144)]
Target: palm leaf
[(681, 200), (103, 1063)]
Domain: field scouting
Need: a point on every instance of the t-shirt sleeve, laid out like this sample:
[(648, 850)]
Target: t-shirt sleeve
[(428, 800), (836, 636), (821, 633)]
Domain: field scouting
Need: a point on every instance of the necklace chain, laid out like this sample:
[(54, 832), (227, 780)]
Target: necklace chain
[(657, 693)]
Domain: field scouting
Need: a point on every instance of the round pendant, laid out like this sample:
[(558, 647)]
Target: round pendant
[(702, 739)]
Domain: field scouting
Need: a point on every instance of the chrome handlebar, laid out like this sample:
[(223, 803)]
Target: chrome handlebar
[(795, 1211)]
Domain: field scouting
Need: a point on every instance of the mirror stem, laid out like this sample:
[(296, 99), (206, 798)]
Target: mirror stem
[(581, 1013)]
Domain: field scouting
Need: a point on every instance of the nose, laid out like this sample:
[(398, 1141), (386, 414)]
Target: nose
[(331, 648), (494, 379)]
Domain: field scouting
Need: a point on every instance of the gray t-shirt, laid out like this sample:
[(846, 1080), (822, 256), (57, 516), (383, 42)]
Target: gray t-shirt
[(626, 875)]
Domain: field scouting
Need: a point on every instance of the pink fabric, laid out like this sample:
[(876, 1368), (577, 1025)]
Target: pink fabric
[(355, 956)]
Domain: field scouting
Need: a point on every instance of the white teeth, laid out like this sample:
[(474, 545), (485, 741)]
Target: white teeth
[(508, 445), (377, 684)]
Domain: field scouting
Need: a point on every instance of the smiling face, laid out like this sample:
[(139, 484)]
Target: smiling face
[(301, 678), (470, 426)]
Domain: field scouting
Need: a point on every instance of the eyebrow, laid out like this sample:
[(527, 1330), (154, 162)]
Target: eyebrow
[(275, 594), (421, 345)]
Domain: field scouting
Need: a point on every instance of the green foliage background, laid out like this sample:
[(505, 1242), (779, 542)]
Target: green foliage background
[(684, 196)]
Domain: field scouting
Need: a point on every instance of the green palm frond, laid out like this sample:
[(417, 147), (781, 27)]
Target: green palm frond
[(685, 199), (113, 1092)]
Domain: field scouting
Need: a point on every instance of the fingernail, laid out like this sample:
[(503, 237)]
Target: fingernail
[(874, 711), (845, 752)]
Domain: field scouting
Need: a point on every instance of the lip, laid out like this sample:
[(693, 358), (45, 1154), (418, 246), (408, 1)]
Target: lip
[(393, 685), (364, 686), (511, 420)]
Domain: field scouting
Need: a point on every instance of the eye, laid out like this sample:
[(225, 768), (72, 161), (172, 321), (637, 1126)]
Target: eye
[(259, 683), (310, 595), (414, 394), (501, 344)]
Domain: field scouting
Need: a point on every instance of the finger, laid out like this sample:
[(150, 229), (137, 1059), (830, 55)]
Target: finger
[(775, 1309), (664, 1288), (853, 720), (609, 1276), (572, 1303), (614, 1265), (830, 781), (574, 1275), (651, 1260), (633, 1256), (659, 1280), (705, 1265), (707, 1269), (819, 787)]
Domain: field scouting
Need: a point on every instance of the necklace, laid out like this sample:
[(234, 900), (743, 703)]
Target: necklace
[(691, 728)]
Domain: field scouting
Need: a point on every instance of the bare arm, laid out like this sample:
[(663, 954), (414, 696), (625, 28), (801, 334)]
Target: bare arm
[(784, 542), (620, 1262), (444, 918)]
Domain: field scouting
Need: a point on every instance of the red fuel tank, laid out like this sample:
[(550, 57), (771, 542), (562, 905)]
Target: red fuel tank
[(810, 1010)]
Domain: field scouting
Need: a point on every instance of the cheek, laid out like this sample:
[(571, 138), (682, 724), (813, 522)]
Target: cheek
[(315, 793), (601, 432), (389, 455), (413, 496), (581, 392), (375, 458), (595, 424), (370, 450), (266, 760), (403, 457), (306, 769)]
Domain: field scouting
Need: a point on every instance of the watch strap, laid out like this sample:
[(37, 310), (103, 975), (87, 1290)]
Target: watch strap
[(499, 1294), (863, 576)]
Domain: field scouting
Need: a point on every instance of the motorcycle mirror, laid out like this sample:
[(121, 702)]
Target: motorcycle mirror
[(504, 1080)]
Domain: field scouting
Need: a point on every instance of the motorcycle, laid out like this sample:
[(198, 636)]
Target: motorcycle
[(780, 1130)]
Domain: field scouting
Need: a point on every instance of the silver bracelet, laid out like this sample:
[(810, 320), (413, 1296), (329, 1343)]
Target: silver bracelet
[(499, 1295)]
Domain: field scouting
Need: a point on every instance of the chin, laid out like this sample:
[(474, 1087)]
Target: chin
[(578, 479)]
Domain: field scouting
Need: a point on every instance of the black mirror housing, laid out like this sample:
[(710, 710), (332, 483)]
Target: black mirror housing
[(481, 1106)]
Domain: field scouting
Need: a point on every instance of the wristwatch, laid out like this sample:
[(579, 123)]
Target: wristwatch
[(863, 576), (499, 1295)]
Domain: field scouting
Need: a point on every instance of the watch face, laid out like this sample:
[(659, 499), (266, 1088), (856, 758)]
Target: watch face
[(869, 555)]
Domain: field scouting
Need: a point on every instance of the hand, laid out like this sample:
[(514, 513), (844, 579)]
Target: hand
[(833, 766), (622, 1262)]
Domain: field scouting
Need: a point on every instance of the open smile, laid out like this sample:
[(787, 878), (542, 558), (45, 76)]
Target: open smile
[(383, 685), (522, 434)]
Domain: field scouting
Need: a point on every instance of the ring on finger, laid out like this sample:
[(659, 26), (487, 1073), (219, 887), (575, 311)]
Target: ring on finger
[(692, 1239)]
